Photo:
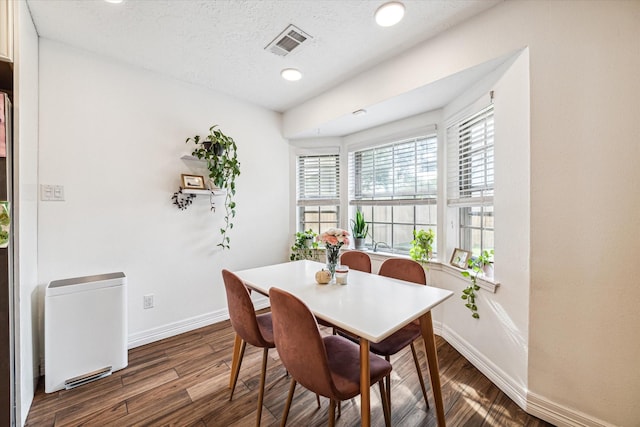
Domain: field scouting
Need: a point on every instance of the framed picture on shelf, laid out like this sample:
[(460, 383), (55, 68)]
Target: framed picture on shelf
[(193, 182), (459, 258)]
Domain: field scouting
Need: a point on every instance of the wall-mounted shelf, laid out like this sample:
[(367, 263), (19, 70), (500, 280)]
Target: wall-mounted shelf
[(190, 158), (214, 192)]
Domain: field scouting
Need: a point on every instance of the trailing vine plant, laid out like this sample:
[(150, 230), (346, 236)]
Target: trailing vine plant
[(304, 245), (422, 246), (220, 153), (476, 265), (181, 200)]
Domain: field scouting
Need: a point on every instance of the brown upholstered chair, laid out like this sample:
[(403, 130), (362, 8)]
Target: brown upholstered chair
[(256, 330), (409, 271), (356, 260), (329, 366)]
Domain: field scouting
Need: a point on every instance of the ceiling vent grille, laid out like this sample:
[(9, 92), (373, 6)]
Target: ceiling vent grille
[(287, 41)]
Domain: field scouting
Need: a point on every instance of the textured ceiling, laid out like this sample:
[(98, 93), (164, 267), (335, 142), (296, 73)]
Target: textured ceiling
[(220, 44)]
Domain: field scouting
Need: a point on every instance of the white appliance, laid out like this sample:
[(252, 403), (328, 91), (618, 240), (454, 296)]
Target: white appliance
[(85, 329)]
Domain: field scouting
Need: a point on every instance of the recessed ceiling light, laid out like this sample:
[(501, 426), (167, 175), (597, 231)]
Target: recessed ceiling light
[(360, 112), (389, 14), (114, 1), (291, 74)]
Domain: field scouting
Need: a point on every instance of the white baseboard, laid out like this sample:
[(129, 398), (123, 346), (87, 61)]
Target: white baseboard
[(186, 325), (531, 403), (547, 410), (511, 388)]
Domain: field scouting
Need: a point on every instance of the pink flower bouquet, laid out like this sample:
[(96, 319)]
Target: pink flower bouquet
[(334, 237)]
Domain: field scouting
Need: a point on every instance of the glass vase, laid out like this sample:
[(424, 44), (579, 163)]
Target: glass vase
[(332, 258)]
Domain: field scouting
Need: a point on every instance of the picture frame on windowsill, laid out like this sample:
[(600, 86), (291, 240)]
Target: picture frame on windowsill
[(459, 258)]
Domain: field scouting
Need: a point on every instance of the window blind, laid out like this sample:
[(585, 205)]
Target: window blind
[(470, 161), (401, 173), (318, 180)]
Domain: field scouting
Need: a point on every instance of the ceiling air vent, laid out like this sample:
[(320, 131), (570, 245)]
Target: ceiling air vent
[(289, 39)]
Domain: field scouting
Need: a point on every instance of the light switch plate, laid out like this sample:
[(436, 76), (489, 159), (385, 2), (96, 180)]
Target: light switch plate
[(51, 192)]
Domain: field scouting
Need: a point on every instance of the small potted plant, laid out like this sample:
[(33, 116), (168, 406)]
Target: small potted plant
[(422, 246), (486, 258), (477, 266), (304, 245), (359, 229)]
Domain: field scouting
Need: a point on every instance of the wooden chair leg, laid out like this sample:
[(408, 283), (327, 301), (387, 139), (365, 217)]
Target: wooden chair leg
[(419, 372), (388, 384), (263, 374), (237, 342), (332, 413), (287, 406), (385, 405), (234, 374)]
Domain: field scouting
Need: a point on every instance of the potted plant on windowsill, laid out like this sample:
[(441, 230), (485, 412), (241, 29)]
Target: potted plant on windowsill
[(219, 151), (359, 230), (422, 246), (476, 265), (305, 246)]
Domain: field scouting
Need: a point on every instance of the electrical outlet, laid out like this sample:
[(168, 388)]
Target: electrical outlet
[(148, 301)]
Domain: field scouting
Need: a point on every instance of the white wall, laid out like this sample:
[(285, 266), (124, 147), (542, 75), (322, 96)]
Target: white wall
[(584, 231), (26, 136), (113, 135), (498, 342)]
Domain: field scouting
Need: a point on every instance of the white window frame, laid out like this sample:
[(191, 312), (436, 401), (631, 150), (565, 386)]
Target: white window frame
[(470, 173), (358, 200), (324, 192)]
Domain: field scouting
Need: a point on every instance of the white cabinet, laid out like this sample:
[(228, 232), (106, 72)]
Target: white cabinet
[(6, 30)]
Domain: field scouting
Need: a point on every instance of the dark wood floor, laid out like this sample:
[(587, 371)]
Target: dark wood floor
[(183, 381)]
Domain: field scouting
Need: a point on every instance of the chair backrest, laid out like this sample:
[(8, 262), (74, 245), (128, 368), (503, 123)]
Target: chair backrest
[(403, 269), (356, 260), (299, 343), (241, 310)]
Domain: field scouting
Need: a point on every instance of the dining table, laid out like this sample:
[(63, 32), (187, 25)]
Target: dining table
[(369, 306)]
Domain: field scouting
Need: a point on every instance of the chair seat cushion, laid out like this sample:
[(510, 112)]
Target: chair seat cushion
[(397, 341), (266, 328), (393, 343), (344, 364)]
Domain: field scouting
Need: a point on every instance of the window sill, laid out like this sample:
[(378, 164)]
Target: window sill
[(486, 283)]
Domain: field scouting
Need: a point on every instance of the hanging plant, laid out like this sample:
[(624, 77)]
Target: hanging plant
[(219, 151)]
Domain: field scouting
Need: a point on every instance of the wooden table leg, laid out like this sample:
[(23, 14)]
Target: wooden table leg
[(426, 326), (365, 385), (234, 359)]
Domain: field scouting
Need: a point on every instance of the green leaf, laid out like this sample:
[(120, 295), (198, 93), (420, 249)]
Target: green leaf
[(465, 273), (475, 315), (463, 296)]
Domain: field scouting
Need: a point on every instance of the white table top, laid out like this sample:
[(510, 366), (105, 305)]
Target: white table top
[(370, 306)]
